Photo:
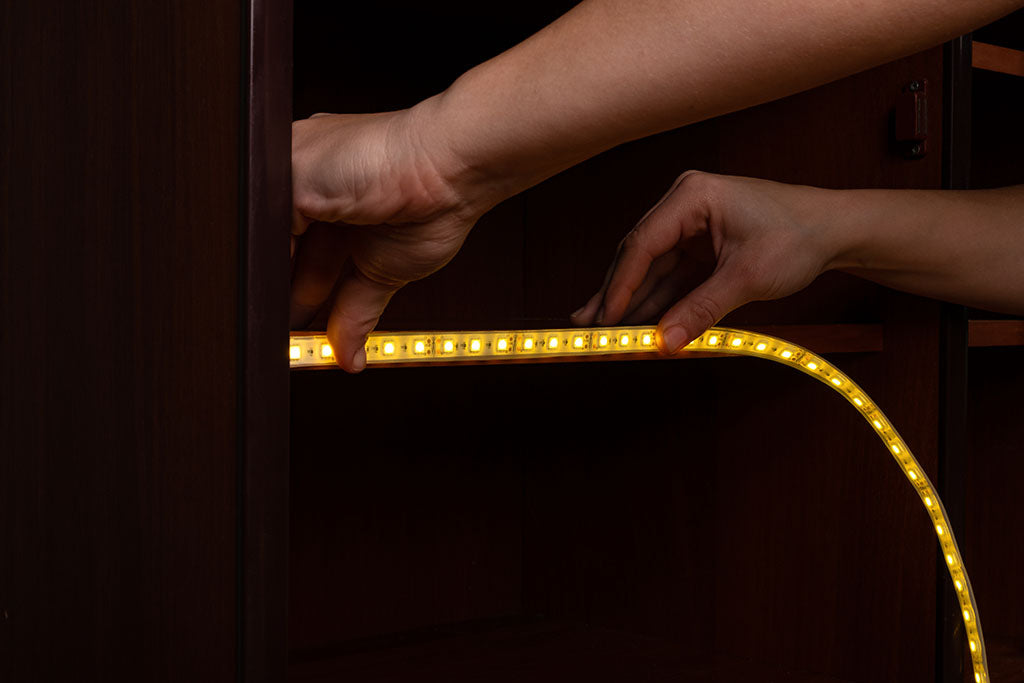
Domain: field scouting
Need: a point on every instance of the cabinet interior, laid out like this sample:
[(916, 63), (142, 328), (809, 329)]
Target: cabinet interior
[(684, 520)]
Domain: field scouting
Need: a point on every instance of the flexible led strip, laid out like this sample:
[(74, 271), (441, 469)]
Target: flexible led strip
[(451, 347)]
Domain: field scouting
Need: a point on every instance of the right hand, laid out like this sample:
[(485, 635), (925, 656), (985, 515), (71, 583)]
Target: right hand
[(712, 244), (397, 215)]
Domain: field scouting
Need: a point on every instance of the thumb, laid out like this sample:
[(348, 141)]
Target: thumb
[(708, 303), (357, 308)]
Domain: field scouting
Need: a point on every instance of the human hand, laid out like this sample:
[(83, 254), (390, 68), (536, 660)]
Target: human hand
[(710, 245), (398, 214)]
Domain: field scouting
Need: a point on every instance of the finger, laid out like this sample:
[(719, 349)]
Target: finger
[(708, 303), (321, 255), (662, 268), (592, 312), (299, 222), (678, 217), (357, 308)]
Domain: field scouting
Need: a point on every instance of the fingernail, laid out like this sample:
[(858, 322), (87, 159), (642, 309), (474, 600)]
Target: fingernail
[(359, 359), (674, 338), (578, 311)]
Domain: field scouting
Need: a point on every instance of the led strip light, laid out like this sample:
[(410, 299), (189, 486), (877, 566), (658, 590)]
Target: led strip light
[(445, 347)]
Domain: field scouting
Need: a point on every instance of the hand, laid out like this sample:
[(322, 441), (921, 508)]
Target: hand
[(712, 244), (396, 211)]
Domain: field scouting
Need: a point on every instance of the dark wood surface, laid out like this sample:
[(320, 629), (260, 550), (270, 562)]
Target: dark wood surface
[(120, 217), (727, 509), (263, 428)]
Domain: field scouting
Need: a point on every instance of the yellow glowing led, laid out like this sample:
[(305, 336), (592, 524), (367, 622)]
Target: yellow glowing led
[(977, 678), (326, 351), (396, 348)]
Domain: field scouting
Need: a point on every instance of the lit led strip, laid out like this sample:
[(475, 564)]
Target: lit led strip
[(427, 347)]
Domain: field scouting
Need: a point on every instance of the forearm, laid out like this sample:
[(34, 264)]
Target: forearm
[(610, 71), (966, 247)]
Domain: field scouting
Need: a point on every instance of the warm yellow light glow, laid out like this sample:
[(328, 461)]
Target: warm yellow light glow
[(452, 347), (977, 678)]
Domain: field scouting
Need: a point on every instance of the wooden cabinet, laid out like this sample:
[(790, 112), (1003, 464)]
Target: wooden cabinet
[(176, 507)]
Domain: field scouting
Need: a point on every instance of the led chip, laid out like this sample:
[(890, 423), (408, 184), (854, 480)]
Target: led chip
[(326, 351), (577, 342), (295, 352), (762, 346), (474, 346), (624, 340), (647, 339), (812, 366), (713, 340), (502, 344), (602, 341), (786, 353), (737, 341), (388, 348), (528, 344), (419, 347), (552, 342), (448, 346), (837, 381)]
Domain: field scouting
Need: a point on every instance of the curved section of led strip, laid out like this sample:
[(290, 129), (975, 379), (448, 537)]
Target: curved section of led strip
[(427, 347)]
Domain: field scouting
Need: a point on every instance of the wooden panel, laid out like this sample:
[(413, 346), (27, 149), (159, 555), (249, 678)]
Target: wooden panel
[(996, 333), (996, 58), (119, 168)]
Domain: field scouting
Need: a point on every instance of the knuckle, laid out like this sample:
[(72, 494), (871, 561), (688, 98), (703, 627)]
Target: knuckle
[(705, 312)]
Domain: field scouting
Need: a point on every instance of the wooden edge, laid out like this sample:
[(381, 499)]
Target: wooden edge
[(995, 58), (818, 338), (995, 333)]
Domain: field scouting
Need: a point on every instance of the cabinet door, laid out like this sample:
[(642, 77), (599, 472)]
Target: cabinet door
[(139, 362)]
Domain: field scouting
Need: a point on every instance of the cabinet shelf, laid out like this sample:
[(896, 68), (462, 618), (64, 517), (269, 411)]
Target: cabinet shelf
[(996, 333), (525, 649)]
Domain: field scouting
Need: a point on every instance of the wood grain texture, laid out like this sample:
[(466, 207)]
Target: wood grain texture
[(119, 168)]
